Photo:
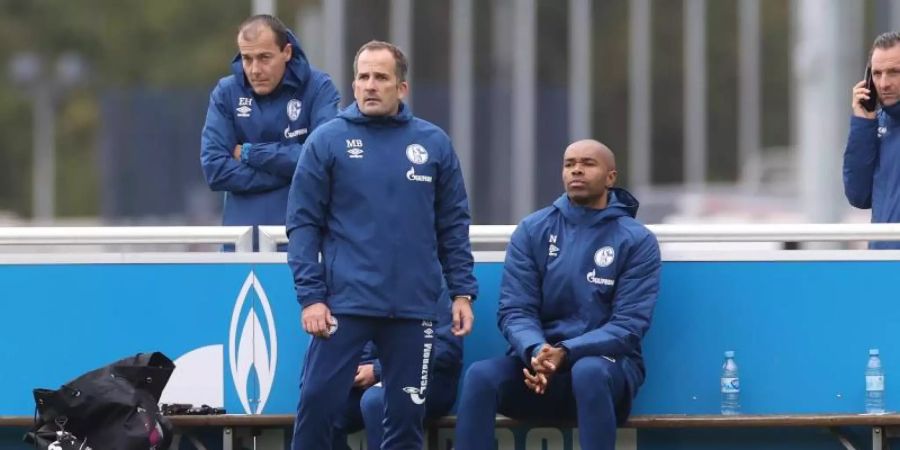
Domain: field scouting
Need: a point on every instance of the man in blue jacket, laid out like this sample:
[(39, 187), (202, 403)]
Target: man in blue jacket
[(872, 156), (579, 285), (379, 193), (365, 409), (258, 117)]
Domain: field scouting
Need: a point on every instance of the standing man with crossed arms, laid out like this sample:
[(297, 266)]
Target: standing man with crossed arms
[(258, 118)]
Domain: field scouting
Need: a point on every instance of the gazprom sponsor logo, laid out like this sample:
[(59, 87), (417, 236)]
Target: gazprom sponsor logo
[(417, 394), (593, 278), (411, 176), (253, 346), (292, 134)]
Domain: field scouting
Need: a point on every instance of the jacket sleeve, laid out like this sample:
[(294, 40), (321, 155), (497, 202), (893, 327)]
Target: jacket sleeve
[(519, 312), (280, 158), (448, 349), (860, 158), (635, 298), (452, 222), (370, 356), (217, 141), (308, 203)]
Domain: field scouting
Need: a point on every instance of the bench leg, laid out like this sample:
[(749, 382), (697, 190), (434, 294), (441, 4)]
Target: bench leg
[(227, 438), (878, 440), (840, 437), (431, 438)]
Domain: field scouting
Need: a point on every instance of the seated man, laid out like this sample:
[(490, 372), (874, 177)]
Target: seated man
[(579, 285), (365, 407)]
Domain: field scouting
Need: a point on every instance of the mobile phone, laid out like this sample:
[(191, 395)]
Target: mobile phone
[(872, 102)]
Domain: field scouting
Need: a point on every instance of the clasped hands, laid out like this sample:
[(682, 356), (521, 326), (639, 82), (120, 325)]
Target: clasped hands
[(544, 365)]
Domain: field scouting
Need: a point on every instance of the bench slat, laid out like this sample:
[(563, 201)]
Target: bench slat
[(643, 421), (713, 421)]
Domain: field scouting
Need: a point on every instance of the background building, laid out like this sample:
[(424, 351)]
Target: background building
[(732, 110)]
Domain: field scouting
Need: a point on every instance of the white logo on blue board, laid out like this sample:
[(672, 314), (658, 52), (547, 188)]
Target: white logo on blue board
[(416, 154), (604, 256), (252, 349), (293, 109), (255, 348)]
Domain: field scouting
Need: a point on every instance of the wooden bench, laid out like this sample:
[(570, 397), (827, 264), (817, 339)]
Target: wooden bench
[(882, 426)]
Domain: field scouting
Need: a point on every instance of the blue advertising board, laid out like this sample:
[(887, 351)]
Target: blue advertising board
[(801, 330)]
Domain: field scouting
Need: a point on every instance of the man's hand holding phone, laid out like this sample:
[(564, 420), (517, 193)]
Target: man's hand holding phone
[(865, 97)]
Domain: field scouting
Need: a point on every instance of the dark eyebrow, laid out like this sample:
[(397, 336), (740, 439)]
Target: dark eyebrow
[(374, 73), (586, 158)]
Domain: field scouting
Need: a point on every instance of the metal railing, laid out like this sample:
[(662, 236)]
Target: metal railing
[(271, 236), (798, 232), (241, 237)]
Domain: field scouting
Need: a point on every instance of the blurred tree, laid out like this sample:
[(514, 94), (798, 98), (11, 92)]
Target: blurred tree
[(162, 44), (179, 46)]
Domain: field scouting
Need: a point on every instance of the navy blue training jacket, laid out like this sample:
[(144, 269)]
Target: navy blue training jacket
[(383, 200), (872, 168), (582, 278), (256, 187)]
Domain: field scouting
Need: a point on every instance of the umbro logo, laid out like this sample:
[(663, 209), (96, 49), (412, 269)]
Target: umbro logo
[(355, 148)]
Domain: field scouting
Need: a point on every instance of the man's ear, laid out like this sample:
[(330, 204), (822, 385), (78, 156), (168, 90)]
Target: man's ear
[(403, 89), (611, 178), (288, 51)]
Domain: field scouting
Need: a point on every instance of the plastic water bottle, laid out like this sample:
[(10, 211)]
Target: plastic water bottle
[(874, 384), (731, 386)]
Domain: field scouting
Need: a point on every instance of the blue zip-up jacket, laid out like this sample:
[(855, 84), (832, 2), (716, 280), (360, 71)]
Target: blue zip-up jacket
[(582, 278), (448, 350), (275, 126), (383, 200), (872, 168)]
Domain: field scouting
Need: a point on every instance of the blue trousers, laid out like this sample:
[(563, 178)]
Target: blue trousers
[(589, 390), (365, 409), (406, 348)]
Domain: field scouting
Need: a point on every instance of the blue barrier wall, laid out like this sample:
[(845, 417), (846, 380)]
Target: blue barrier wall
[(801, 330)]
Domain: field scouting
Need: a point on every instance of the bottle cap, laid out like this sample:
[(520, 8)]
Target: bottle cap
[(873, 352), (730, 353)]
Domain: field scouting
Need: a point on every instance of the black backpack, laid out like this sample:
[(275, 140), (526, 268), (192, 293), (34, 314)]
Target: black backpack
[(111, 408)]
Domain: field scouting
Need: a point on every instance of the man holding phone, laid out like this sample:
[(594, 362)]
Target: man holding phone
[(872, 155)]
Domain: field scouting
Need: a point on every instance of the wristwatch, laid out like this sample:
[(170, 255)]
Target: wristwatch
[(465, 296)]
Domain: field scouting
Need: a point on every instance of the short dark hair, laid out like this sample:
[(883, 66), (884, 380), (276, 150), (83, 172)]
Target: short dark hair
[(270, 21), (886, 40), (402, 66)]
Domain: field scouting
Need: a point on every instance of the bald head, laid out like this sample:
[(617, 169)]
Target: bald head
[(589, 170), (603, 152)]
